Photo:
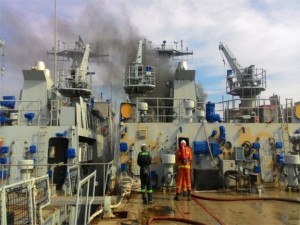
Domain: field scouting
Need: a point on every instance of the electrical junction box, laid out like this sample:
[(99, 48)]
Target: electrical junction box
[(142, 134), (239, 153), (227, 165)]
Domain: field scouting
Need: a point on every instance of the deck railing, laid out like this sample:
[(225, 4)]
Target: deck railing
[(170, 110)]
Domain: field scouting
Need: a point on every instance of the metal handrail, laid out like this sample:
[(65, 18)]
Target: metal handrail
[(162, 110)]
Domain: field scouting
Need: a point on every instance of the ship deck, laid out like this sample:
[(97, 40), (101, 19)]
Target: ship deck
[(272, 206)]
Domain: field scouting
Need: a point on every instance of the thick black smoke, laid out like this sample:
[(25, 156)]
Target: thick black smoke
[(101, 24), (105, 26)]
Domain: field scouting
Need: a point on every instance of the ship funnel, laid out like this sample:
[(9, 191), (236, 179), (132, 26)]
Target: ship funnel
[(182, 65)]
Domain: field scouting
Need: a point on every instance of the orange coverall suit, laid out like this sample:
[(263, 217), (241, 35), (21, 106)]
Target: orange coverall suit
[(184, 169)]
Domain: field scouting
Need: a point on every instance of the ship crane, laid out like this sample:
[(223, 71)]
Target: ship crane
[(139, 59), (76, 80), (245, 82), (234, 64), (140, 78)]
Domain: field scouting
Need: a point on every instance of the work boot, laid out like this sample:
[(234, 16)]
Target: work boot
[(176, 198), (150, 201), (189, 195), (144, 198)]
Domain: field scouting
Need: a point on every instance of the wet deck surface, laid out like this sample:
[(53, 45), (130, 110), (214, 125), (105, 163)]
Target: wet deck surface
[(262, 209)]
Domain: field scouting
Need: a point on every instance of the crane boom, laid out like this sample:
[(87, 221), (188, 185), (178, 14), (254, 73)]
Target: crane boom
[(245, 82), (231, 59), (139, 55), (84, 61), (139, 59)]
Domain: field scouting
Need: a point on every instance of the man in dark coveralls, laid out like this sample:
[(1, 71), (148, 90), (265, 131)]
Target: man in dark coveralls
[(144, 161)]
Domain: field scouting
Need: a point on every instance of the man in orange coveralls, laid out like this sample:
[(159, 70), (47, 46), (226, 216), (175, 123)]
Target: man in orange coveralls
[(183, 161)]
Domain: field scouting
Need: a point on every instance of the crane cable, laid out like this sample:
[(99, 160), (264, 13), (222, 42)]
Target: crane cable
[(224, 62), (2, 66)]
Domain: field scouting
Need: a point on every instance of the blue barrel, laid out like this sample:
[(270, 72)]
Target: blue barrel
[(200, 147), (210, 111), (9, 102), (216, 118)]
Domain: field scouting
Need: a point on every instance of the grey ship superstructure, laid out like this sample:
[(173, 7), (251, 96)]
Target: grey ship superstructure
[(242, 137), (56, 141), (57, 137)]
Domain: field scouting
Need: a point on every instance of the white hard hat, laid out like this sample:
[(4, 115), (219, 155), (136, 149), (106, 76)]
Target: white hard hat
[(183, 142), (143, 145)]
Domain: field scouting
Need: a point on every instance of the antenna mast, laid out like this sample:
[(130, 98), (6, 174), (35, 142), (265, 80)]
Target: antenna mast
[(55, 40)]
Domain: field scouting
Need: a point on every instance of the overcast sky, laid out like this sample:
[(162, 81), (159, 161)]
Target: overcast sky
[(263, 33)]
